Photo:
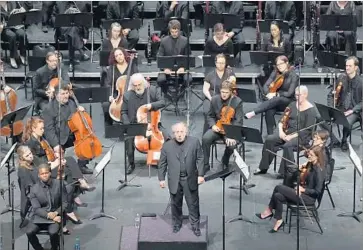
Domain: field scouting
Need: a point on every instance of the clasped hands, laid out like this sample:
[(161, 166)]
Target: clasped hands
[(54, 216), (285, 137), (271, 95), (348, 112), (179, 71)]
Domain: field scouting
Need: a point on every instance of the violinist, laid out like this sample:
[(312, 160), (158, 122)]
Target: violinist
[(350, 97), (134, 98), (286, 135), (311, 186), (277, 99), (42, 91), (119, 66), (56, 129), (219, 43), (224, 106)]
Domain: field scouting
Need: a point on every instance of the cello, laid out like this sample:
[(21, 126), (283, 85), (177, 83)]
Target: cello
[(154, 139)]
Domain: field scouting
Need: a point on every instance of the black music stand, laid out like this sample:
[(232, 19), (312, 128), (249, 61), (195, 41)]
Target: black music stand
[(242, 134), (223, 175), (161, 24), (123, 131), (247, 95), (104, 56), (6, 163), (263, 57), (338, 22), (98, 169), (264, 25), (335, 60), (126, 23), (357, 168), (229, 21), (92, 95)]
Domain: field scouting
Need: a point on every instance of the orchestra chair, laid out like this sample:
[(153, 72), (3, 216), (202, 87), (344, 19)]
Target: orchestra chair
[(4, 47), (34, 63), (328, 179), (312, 210), (360, 126), (214, 152)]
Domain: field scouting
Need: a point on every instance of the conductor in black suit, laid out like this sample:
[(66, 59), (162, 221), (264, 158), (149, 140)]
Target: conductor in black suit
[(183, 159)]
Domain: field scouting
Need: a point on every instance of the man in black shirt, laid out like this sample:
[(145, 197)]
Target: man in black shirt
[(139, 95), (350, 97), (42, 78), (182, 158)]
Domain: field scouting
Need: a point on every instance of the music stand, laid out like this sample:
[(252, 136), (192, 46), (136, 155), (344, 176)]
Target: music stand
[(230, 21), (264, 25), (247, 95), (161, 24), (357, 168), (242, 134), (263, 57), (335, 60), (5, 163), (92, 95), (126, 23), (223, 175), (104, 56), (98, 169), (123, 131)]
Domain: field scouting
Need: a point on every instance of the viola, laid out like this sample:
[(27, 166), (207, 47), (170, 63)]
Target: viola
[(275, 85), (122, 84), (227, 113), (285, 119), (48, 150), (338, 89), (154, 140)]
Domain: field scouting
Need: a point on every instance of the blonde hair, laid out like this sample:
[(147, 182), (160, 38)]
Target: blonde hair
[(23, 163), (31, 123)]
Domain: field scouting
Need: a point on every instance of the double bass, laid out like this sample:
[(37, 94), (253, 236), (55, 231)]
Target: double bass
[(154, 140)]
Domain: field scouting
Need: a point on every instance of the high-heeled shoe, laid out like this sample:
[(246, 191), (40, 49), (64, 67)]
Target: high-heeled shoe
[(77, 222), (275, 231), (260, 216)]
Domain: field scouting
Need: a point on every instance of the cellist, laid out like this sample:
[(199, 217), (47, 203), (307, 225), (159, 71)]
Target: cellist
[(277, 99), (56, 129), (134, 98)]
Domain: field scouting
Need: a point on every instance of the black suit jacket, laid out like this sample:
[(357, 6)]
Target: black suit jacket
[(51, 121), (288, 12), (163, 10), (121, 10), (167, 47), (236, 8), (170, 162), (291, 81)]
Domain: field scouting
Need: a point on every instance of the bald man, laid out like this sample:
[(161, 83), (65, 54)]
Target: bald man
[(182, 158)]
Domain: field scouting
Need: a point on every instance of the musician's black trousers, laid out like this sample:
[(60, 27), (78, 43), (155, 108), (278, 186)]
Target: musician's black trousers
[(53, 230), (14, 36), (283, 194), (353, 118), (106, 114), (206, 107), (270, 107), (192, 200), (349, 39), (40, 103), (132, 39), (47, 10), (208, 138)]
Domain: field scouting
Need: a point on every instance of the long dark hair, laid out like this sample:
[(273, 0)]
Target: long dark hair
[(318, 151), (112, 59), (281, 33)]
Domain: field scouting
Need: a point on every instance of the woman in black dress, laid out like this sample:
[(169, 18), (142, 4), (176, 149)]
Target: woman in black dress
[(219, 42), (115, 38), (277, 42)]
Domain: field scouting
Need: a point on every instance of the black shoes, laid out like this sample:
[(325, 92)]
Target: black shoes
[(130, 168), (275, 231), (344, 146), (176, 228), (86, 170), (260, 216), (196, 231), (259, 172)]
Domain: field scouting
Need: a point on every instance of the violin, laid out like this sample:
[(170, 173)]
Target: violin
[(338, 89), (48, 150), (122, 84), (227, 114), (154, 140), (277, 83), (232, 79), (285, 119), (86, 145), (304, 171)]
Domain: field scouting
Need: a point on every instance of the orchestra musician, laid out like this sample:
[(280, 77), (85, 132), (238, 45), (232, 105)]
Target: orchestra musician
[(234, 8), (350, 96), (115, 38), (42, 91), (119, 66), (75, 36), (310, 188), (173, 45), (41, 193), (14, 35), (182, 158), (213, 81), (125, 9), (277, 42), (56, 129), (224, 106), (286, 135), (349, 37), (133, 99), (47, 10), (169, 9), (280, 99), (219, 43)]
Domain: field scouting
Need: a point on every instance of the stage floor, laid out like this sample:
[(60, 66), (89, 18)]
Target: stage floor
[(339, 233)]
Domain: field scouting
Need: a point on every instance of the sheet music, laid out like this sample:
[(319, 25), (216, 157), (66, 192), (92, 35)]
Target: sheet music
[(102, 164), (241, 164), (8, 154), (355, 159)]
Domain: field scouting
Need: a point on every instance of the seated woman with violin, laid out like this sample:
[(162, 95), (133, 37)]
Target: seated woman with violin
[(225, 108), (213, 81), (220, 43), (312, 176), (121, 67), (278, 92), (44, 76), (286, 135)]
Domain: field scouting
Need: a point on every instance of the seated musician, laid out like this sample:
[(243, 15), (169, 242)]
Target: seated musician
[(310, 188), (173, 45), (277, 42), (219, 104), (14, 35), (286, 136), (349, 37), (234, 8), (119, 66), (134, 98), (282, 10), (47, 11), (220, 43), (350, 96), (123, 9), (76, 37), (169, 9), (213, 81), (43, 212), (56, 129), (115, 38), (199, 12), (277, 100), (42, 91)]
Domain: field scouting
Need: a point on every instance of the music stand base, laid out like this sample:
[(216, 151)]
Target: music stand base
[(9, 209), (246, 186), (339, 168), (354, 215), (239, 217), (126, 184), (102, 215)]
